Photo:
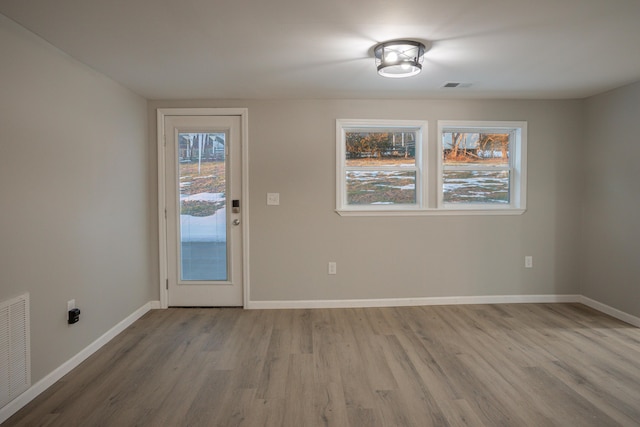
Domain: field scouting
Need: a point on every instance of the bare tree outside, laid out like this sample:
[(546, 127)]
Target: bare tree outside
[(475, 167), (375, 162)]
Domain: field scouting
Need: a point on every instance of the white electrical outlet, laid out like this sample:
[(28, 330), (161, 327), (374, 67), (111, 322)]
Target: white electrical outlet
[(71, 304), (273, 199), (333, 268), (528, 261)]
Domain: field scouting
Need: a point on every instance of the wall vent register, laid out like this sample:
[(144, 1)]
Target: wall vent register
[(15, 360)]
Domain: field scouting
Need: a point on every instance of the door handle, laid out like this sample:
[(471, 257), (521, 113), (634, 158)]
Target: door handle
[(236, 222)]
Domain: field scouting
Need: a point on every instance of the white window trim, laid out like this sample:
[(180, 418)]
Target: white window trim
[(425, 206), (517, 166), (342, 207)]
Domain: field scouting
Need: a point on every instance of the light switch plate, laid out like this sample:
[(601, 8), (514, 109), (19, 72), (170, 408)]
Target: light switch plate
[(273, 199)]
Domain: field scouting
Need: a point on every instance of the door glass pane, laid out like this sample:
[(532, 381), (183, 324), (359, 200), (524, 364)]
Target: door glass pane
[(203, 222)]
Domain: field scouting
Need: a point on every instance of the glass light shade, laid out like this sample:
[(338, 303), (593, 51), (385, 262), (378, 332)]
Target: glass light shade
[(399, 58)]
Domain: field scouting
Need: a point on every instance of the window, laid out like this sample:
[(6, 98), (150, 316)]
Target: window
[(383, 168), (481, 165), (380, 165)]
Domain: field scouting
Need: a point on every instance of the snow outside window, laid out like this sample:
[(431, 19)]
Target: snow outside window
[(383, 169), (481, 165), (380, 165)]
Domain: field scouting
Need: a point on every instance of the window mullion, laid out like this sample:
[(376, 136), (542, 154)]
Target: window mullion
[(476, 168), (381, 168)]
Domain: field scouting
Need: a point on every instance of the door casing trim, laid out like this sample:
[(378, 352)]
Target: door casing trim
[(243, 113)]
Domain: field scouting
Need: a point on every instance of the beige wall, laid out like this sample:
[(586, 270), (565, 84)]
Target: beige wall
[(610, 244), (74, 185), (79, 219), (292, 151)]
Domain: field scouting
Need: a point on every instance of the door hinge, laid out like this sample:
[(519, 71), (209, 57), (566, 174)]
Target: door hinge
[(167, 284), (165, 214)]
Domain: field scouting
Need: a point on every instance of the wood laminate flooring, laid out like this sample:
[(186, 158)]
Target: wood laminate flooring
[(475, 365)]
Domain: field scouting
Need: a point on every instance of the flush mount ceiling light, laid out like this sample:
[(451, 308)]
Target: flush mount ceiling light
[(399, 58)]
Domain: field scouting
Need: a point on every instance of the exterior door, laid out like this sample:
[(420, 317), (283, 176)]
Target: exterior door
[(203, 188)]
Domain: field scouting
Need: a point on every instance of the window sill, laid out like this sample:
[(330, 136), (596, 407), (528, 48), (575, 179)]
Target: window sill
[(431, 212)]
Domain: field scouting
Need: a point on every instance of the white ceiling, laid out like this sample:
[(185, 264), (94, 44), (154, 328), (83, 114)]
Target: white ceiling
[(178, 49)]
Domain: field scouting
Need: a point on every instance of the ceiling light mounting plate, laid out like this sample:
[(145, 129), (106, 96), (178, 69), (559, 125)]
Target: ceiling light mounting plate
[(399, 58)]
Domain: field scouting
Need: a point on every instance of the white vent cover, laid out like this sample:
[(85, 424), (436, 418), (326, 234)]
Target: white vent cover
[(15, 357)]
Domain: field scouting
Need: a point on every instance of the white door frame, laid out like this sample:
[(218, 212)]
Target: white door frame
[(243, 113)]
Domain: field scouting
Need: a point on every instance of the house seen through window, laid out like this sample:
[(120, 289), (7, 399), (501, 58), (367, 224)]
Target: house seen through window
[(383, 168), (481, 165)]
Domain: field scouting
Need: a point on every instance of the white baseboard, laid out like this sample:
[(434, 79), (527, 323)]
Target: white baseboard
[(403, 302), (16, 404), (613, 312)]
